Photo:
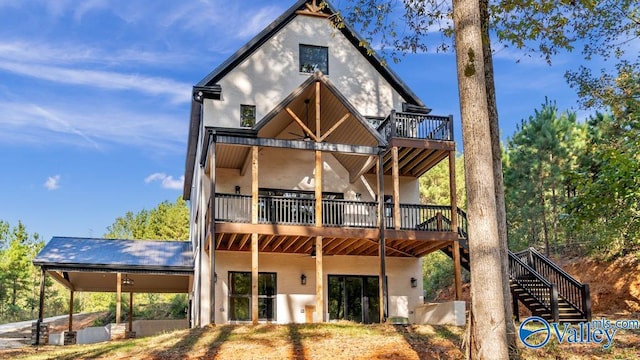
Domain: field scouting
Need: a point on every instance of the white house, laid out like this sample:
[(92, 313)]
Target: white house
[(302, 171)]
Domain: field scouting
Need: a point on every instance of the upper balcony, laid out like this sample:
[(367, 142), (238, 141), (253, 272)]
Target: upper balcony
[(289, 225), (416, 126)]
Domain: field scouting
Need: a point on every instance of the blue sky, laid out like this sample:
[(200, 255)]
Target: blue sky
[(95, 98)]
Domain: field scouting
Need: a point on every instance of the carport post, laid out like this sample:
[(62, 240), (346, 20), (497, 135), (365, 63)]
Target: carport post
[(118, 295), (71, 311), (131, 311), (40, 306)]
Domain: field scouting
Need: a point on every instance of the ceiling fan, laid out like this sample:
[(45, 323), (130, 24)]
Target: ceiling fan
[(306, 136)]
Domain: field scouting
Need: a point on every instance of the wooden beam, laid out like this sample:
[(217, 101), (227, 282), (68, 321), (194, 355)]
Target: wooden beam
[(453, 191), (382, 280), (254, 279), (334, 127), (391, 248), (300, 246), (318, 188), (279, 242), (130, 311), (319, 281), (420, 157), (244, 240), (430, 162), (43, 278), (266, 241), (71, 310), (318, 111), (58, 277), (396, 189), (118, 299), (457, 272), (355, 175), (254, 184), (301, 124)]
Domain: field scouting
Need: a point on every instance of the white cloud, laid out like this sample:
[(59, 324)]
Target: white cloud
[(167, 181), (52, 183), (257, 22), (179, 92), (96, 125)]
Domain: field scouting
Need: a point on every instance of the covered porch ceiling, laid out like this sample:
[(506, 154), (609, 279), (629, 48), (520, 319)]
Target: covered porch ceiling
[(336, 241), (317, 112), (98, 265)]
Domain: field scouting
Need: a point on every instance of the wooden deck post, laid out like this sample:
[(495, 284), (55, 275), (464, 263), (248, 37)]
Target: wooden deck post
[(396, 189), (318, 240), (130, 312), (382, 281), (43, 278), (118, 299), (71, 310), (457, 271), (212, 233), (254, 236)]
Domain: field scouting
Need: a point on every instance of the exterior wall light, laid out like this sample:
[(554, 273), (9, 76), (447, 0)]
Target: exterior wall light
[(414, 282), (238, 189), (303, 279)]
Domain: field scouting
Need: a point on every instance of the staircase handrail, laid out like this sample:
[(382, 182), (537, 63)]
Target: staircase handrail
[(551, 304), (573, 291)]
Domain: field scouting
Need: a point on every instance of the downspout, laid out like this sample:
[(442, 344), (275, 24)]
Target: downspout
[(381, 222)]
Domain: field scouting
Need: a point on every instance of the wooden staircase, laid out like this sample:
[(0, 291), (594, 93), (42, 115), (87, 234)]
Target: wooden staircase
[(536, 282)]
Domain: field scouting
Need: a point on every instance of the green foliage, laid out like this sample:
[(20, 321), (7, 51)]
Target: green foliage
[(434, 185), (437, 270), (537, 162), (167, 221), (19, 279)]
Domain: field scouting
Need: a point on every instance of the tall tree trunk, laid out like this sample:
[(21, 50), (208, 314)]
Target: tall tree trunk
[(488, 332), (543, 215), (501, 213)]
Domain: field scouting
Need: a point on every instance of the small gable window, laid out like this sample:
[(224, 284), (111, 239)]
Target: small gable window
[(247, 115), (314, 58)]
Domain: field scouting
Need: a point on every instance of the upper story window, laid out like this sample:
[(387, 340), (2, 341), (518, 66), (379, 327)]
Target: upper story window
[(247, 115), (314, 58)]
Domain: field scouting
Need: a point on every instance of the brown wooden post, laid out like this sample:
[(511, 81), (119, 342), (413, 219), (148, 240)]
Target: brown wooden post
[(396, 189), (71, 310), (382, 281), (317, 109), (130, 312), (318, 243), (43, 278), (457, 271), (212, 232), (118, 294), (254, 236)]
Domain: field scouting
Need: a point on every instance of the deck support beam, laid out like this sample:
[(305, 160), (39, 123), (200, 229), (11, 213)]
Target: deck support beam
[(212, 233), (254, 236), (396, 189), (382, 281), (43, 278), (130, 325), (318, 243), (454, 225)]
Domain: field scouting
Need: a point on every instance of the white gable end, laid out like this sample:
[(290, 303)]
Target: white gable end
[(272, 72)]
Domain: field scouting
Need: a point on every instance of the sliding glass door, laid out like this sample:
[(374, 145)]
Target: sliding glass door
[(240, 296), (355, 298)]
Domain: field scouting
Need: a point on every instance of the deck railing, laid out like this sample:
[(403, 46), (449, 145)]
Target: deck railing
[(417, 126), (335, 213)]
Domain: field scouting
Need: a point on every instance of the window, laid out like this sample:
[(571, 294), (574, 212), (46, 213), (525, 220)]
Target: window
[(240, 296), (247, 115), (314, 58)]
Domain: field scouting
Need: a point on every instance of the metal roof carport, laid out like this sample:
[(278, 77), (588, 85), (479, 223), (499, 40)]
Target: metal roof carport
[(115, 265)]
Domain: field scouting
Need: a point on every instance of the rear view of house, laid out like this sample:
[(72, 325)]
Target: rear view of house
[(302, 170)]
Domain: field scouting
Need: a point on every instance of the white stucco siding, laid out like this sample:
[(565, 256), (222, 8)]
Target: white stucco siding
[(292, 296), (271, 73)]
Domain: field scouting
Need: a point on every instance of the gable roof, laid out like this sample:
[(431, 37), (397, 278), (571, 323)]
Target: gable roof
[(342, 101), (255, 43)]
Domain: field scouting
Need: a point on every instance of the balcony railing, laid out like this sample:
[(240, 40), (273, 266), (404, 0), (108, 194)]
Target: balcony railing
[(417, 126), (336, 213)]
